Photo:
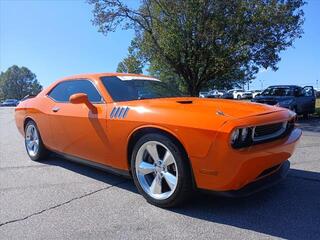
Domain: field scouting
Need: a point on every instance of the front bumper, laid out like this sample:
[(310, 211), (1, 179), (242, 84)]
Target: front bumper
[(226, 169), (260, 183)]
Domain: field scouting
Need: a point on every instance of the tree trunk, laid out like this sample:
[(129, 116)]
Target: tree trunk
[(193, 90)]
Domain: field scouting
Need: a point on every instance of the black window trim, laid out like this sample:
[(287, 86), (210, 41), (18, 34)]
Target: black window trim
[(76, 79)]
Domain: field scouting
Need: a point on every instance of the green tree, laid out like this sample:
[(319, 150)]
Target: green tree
[(207, 41), (130, 65), (18, 82), (133, 63), (167, 75)]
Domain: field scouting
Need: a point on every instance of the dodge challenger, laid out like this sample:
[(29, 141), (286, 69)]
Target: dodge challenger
[(138, 126)]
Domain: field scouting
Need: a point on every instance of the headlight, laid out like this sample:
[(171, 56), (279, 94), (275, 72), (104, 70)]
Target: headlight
[(241, 137), (244, 134), (235, 136)]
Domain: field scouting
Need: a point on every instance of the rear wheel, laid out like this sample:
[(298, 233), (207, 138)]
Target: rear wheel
[(33, 142), (160, 170), (238, 97)]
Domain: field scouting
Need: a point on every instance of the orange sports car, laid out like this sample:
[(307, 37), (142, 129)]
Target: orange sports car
[(137, 126)]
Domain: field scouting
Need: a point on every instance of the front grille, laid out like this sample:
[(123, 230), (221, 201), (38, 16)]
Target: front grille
[(273, 131), (264, 130)]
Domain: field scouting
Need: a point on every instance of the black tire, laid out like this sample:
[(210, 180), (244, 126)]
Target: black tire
[(184, 181), (238, 97), (42, 152)]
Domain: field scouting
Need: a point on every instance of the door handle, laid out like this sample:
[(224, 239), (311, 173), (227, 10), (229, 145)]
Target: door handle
[(55, 109)]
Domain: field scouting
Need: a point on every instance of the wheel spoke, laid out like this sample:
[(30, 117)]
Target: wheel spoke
[(30, 144), (35, 147), (168, 159), (146, 168), (155, 187), (32, 133), (152, 150), (170, 179), (35, 135)]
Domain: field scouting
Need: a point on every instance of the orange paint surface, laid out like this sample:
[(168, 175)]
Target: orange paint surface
[(205, 135)]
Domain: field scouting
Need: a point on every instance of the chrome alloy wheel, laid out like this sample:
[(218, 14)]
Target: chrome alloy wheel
[(156, 170), (32, 140)]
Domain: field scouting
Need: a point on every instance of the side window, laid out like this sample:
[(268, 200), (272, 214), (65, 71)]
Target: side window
[(63, 91), (308, 92), (298, 92)]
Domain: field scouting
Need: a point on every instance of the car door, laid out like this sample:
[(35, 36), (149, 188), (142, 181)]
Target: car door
[(77, 130), (309, 98), (305, 99)]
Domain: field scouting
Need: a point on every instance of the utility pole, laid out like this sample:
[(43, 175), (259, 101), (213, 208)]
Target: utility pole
[(261, 81)]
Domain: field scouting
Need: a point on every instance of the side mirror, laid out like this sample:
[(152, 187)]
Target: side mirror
[(79, 98)]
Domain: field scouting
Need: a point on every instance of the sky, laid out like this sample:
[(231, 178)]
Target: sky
[(55, 38)]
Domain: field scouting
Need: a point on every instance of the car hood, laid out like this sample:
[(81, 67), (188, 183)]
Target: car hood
[(198, 111)]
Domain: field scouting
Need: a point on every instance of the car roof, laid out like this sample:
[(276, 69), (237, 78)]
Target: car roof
[(105, 74)]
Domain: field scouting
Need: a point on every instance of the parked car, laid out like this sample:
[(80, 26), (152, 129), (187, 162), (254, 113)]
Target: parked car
[(225, 94), (247, 95), (203, 94), (169, 144), (256, 93), (298, 99), (240, 94), (213, 94), (216, 94), (10, 103)]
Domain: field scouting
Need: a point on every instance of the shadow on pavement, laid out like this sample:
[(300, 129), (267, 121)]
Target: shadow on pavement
[(288, 210)]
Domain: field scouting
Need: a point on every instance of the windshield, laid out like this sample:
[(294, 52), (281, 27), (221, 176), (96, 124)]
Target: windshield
[(278, 91), (136, 89)]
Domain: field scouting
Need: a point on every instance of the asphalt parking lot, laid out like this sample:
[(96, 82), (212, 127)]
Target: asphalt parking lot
[(57, 199)]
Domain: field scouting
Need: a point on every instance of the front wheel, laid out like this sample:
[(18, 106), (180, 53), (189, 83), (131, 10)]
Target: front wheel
[(33, 142), (160, 170)]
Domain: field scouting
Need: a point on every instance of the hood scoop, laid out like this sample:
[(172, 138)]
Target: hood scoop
[(185, 101)]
